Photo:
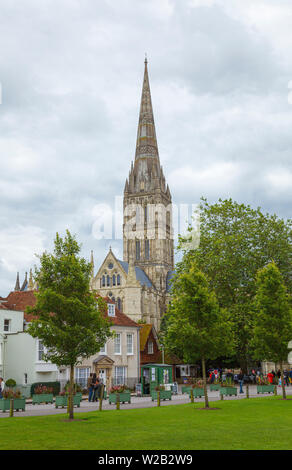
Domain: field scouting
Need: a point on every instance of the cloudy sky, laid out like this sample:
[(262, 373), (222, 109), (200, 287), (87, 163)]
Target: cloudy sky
[(71, 74)]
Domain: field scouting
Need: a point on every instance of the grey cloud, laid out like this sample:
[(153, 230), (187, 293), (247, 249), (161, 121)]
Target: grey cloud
[(71, 73)]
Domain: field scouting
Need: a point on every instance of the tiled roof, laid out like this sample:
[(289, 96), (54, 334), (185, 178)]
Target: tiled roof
[(120, 319), (18, 300), (144, 334), (141, 276)]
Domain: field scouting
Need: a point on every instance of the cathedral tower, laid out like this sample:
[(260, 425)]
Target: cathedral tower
[(147, 227)]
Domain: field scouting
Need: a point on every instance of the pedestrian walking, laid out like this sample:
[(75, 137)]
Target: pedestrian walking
[(286, 377), (240, 381), (96, 388), (270, 377), (90, 386)]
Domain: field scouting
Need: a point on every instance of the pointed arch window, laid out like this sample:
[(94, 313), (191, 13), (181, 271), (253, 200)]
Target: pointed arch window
[(103, 281), (118, 280), (137, 250), (147, 249), (108, 280), (119, 304), (114, 280)]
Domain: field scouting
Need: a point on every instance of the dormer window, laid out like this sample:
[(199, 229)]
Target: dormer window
[(111, 310)]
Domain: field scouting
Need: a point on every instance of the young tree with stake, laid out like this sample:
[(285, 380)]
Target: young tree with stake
[(69, 320), (273, 318), (196, 326)]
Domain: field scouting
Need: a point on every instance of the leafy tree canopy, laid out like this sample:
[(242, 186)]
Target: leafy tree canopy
[(70, 321), (235, 242)]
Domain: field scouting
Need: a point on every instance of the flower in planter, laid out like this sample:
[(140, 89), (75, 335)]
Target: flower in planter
[(76, 388), (42, 389), (62, 394), (160, 388), (9, 394), (228, 382), (198, 384), (119, 389), (263, 380)]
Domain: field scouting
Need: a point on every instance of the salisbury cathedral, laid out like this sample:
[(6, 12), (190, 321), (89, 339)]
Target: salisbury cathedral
[(140, 283)]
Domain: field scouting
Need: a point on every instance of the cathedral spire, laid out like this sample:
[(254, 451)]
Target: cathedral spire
[(146, 145), (92, 263), (30, 282), (25, 283), (17, 284)]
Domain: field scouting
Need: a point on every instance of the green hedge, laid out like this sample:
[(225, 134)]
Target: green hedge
[(56, 386)]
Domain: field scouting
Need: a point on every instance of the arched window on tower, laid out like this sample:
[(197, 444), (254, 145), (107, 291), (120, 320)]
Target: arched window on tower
[(118, 280), (103, 281), (108, 280), (114, 280), (137, 250)]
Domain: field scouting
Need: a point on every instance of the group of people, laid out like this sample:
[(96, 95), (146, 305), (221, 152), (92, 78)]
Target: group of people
[(94, 387), (287, 375)]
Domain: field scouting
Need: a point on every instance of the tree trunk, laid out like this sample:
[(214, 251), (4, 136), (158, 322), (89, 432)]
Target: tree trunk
[(101, 397), (205, 383), (282, 381), (71, 390), (192, 395), (11, 408)]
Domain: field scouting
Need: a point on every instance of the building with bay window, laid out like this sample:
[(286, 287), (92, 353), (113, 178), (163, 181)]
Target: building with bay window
[(118, 361)]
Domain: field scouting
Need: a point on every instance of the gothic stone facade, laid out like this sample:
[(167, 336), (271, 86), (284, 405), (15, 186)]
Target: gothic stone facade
[(139, 283)]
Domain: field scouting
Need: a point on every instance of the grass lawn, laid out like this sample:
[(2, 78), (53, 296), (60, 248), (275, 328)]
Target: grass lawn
[(259, 423)]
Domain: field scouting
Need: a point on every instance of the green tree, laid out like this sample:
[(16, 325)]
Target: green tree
[(273, 318), (196, 326), (236, 241), (69, 321)]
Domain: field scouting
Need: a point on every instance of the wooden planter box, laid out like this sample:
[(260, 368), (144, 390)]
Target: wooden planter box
[(185, 389), (124, 396), (19, 404), (265, 388), (164, 395), (197, 392), (42, 398), (63, 400), (215, 387), (228, 391)]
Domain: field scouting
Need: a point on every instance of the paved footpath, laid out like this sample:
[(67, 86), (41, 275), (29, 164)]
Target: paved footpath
[(136, 402)]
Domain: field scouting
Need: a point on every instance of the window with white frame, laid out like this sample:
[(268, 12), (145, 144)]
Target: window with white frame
[(117, 343), (7, 324), (82, 374), (103, 349), (41, 351), (120, 375), (150, 347), (130, 344), (111, 310)]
